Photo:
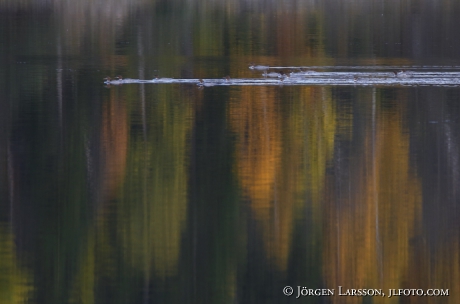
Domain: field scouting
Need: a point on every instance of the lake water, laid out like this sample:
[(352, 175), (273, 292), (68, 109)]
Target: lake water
[(187, 193)]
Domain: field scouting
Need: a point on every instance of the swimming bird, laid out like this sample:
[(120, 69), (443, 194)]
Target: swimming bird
[(401, 74), (274, 74), (200, 84), (258, 67), (119, 77), (283, 74)]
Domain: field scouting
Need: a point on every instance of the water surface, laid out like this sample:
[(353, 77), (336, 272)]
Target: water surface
[(180, 193)]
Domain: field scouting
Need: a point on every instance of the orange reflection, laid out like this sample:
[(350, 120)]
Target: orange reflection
[(280, 158), (255, 117), (426, 274), (114, 146), (368, 227)]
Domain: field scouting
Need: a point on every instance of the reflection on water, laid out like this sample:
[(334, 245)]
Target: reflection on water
[(375, 207), (281, 157), (153, 203), (165, 192), (16, 281)]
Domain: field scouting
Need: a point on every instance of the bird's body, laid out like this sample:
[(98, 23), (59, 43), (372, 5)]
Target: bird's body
[(258, 67), (281, 74), (401, 74)]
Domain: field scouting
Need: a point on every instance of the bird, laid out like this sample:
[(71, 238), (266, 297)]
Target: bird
[(119, 77), (227, 78), (283, 74), (274, 74), (401, 74), (258, 67)]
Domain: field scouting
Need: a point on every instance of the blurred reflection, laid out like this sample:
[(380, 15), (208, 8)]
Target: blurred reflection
[(153, 204), (257, 121), (114, 146), (168, 193), (281, 156), (16, 283), (373, 208)]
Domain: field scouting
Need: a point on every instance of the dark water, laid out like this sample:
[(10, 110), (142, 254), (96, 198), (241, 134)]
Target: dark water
[(171, 193)]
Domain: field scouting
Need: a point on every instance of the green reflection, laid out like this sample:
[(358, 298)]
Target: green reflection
[(153, 203)]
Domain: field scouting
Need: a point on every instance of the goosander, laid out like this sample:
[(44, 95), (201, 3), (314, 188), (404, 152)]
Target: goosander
[(258, 67), (281, 74), (401, 74)]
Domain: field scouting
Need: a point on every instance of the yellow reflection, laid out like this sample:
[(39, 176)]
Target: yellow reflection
[(154, 200), (84, 284), (318, 113), (15, 281)]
